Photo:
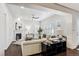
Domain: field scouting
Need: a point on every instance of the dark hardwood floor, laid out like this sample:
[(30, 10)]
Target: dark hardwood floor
[(69, 52), (13, 50)]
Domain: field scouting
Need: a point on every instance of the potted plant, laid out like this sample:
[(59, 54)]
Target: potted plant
[(39, 32)]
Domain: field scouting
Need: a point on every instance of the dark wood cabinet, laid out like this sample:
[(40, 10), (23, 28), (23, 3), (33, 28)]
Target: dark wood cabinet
[(53, 49)]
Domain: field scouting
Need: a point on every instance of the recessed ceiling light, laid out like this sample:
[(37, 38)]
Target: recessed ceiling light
[(19, 19), (22, 7)]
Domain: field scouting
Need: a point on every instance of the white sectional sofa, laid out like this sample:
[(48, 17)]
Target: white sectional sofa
[(30, 47)]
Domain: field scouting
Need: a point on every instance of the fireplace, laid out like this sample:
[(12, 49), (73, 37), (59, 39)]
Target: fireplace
[(18, 36)]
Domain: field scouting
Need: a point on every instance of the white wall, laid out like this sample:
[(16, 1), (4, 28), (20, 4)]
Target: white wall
[(9, 26), (52, 22), (28, 26), (6, 31), (2, 33), (77, 29)]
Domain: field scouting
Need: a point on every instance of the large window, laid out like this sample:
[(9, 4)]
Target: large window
[(53, 31)]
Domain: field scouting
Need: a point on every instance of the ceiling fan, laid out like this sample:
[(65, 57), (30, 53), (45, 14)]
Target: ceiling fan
[(35, 17)]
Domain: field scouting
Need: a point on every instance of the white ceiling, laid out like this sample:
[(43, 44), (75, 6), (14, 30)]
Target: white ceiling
[(31, 9), (74, 6), (28, 11)]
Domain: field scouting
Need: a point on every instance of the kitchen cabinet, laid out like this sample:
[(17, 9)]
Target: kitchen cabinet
[(53, 49)]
